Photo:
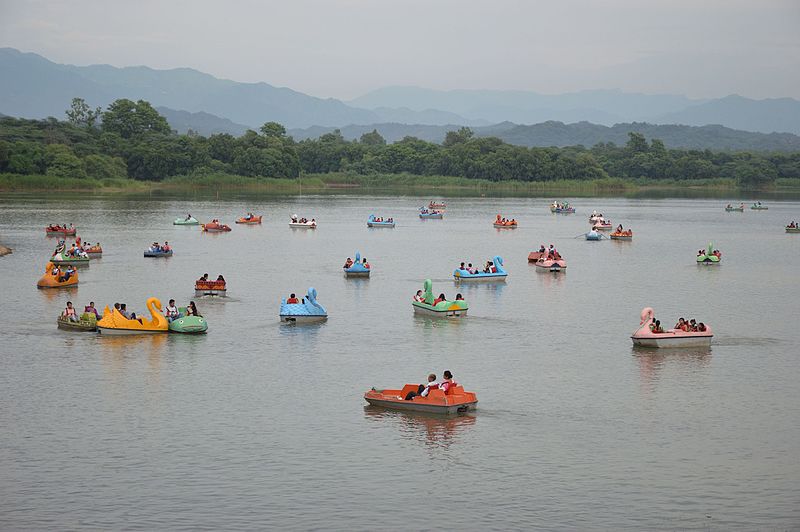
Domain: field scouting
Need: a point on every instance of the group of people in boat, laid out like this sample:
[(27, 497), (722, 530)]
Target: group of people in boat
[(172, 312), (249, 216), (76, 250), (158, 248), (419, 297), (489, 267), (349, 263), (381, 220), (424, 389), (58, 228), (683, 325), (429, 211), (502, 220), (620, 231), (716, 253), (792, 225), (296, 220), (741, 206), (550, 253), (69, 313), (559, 205), (205, 280), (62, 275)]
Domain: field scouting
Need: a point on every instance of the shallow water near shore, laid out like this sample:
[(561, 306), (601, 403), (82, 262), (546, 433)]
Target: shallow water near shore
[(262, 425)]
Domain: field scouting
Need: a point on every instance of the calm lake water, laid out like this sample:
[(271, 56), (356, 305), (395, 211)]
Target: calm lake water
[(261, 425)]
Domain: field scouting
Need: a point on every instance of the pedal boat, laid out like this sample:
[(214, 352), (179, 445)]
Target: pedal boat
[(644, 337), (456, 400), (215, 227), (426, 214), (307, 311), (372, 223), (437, 205), (756, 207), (210, 288), (593, 235), (625, 235), (602, 226), (252, 221), (543, 264), (151, 253), (183, 221), (795, 229), (188, 324), (48, 280), (303, 225), (734, 209), (357, 269), (708, 258), (498, 276), (114, 323), (443, 309), (59, 231), (561, 210), (508, 224), (94, 252), (61, 259), (86, 323)]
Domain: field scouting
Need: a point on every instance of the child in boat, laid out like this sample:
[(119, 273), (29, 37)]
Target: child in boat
[(542, 249), (419, 297), (123, 309), (292, 300), (69, 312), (439, 299), (171, 312), (681, 325), (692, 326)]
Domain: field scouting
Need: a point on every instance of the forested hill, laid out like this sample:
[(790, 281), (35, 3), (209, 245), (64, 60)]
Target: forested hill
[(558, 134)]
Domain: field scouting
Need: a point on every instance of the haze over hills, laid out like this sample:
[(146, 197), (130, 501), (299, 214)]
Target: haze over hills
[(34, 87)]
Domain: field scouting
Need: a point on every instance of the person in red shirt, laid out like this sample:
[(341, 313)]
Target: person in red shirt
[(292, 300), (439, 299)]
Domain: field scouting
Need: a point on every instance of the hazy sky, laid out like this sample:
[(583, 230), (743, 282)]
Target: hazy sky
[(343, 48)]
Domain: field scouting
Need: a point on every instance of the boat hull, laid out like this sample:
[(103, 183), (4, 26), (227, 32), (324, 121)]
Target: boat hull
[(78, 326), (554, 267), (734, 209), (504, 226), (413, 406), (117, 331), (76, 263), (759, 208), (380, 224), (793, 229), (156, 255), (488, 278), (356, 274), (209, 292), (449, 313), (302, 319), (431, 216), (186, 222), (303, 226), (622, 238), (668, 340)]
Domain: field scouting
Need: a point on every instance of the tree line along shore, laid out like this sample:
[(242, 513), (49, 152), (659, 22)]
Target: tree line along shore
[(130, 146)]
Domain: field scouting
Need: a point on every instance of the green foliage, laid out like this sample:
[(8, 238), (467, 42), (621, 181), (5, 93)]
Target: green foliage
[(129, 119), (80, 114), (62, 162), (372, 138), (273, 129), (457, 137)]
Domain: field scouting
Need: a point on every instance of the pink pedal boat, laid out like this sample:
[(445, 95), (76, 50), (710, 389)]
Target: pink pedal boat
[(644, 337), (543, 263)]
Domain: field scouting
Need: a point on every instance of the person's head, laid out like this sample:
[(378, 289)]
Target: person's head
[(419, 292), (658, 322), (441, 296), (69, 304), (191, 304), (171, 302), (123, 306), (470, 265), (701, 326), (91, 304), (116, 306), (447, 374), (365, 260), (292, 296), (459, 297), (205, 276), (166, 243), (462, 264), (431, 377), (681, 320), (349, 259)]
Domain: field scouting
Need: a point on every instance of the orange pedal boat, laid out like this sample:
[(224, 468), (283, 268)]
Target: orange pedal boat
[(49, 280), (214, 227), (244, 220), (437, 402)]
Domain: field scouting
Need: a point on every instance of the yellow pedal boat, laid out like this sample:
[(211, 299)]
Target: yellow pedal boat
[(113, 322)]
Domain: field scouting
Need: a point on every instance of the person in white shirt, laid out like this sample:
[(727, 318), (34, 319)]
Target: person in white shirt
[(171, 312)]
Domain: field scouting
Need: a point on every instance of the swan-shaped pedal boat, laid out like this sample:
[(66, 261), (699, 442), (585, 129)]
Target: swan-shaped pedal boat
[(358, 268), (443, 309), (253, 220), (644, 337), (58, 230), (215, 227), (710, 256), (114, 323), (372, 221), (503, 223), (86, 323), (430, 214), (191, 220), (188, 324), (302, 223), (210, 288), (545, 263), (436, 402), (48, 280), (307, 311), (61, 258), (498, 273)]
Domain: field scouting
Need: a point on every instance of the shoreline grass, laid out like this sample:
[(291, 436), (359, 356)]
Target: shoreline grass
[(393, 183)]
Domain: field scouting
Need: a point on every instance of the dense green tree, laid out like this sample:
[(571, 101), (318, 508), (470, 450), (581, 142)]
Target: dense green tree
[(273, 129), (62, 162), (373, 138), (129, 119), (80, 114), (457, 137)]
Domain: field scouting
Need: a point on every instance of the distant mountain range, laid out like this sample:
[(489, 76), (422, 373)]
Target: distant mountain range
[(560, 134), (34, 87)]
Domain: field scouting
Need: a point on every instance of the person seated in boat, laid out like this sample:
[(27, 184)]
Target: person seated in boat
[(294, 218), (166, 247), (391, 220), (459, 297), (542, 249), (656, 327), (487, 268), (70, 271), (220, 279), (348, 263), (462, 268), (439, 299), (69, 312), (513, 221), (123, 309), (700, 252), (422, 389), (292, 300), (191, 310), (472, 269), (314, 221), (729, 206), (692, 326), (701, 327), (90, 309), (117, 307), (56, 272), (365, 264), (619, 228), (188, 217), (716, 253), (171, 312), (203, 278), (419, 297), (680, 325), (447, 382)]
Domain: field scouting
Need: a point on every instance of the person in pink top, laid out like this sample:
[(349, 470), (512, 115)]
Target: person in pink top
[(448, 382)]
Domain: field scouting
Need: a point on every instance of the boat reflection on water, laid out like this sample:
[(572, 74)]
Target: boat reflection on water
[(431, 429), (118, 351), (653, 362)]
